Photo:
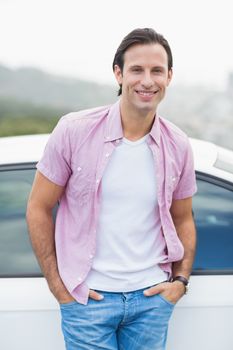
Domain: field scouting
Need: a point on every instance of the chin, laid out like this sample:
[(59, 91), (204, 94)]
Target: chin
[(146, 108)]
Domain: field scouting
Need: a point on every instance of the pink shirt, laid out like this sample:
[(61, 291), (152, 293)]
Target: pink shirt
[(76, 156)]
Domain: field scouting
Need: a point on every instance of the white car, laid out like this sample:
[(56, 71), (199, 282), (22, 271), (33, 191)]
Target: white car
[(29, 314)]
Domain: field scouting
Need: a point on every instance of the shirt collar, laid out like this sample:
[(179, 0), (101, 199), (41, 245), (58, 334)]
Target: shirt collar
[(113, 130), (155, 130)]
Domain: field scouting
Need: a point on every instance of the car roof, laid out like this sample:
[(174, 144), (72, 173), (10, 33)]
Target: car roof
[(212, 159), (208, 157), (22, 149)]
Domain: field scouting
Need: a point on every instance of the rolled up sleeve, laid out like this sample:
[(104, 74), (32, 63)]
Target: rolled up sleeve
[(56, 159), (186, 186)]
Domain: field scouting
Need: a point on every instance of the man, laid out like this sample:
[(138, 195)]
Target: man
[(122, 250)]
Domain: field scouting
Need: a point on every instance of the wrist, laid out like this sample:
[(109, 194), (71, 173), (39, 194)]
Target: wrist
[(182, 280), (57, 288)]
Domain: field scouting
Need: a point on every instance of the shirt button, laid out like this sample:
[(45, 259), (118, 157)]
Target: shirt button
[(91, 256), (97, 181), (79, 168), (107, 137), (117, 141), (107, 155), (79, 279)]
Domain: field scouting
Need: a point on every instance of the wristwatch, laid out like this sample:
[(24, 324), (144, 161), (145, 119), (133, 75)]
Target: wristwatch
[(183, 280)]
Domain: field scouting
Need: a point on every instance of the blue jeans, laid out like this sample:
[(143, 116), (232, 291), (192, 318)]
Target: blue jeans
[(121, 321)]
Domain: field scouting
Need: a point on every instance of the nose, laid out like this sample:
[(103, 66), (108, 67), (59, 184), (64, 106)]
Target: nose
[(147, 81)]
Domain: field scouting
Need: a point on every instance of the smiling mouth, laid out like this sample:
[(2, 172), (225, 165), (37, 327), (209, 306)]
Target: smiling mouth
[(146, 93)]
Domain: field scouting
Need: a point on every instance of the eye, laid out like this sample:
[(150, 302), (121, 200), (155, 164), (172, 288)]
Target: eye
[(157, 70), (136, 69)]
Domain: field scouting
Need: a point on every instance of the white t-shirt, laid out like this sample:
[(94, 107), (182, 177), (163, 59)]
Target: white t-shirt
[(128, 249)]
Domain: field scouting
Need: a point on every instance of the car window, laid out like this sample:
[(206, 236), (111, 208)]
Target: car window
[(16, 255), (213, 212)]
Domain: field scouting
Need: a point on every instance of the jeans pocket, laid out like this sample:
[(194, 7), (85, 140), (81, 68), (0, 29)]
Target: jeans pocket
[(166, 300)]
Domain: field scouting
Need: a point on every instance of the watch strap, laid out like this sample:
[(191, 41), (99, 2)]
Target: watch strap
[(183, 280)]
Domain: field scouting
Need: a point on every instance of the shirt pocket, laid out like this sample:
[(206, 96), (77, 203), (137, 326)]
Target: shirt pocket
[(173, 181), (82, 185)]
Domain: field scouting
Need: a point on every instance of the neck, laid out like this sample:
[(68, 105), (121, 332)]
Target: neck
[(135, 125)]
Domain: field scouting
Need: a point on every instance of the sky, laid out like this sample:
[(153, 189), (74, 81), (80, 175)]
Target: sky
[(79, 38)]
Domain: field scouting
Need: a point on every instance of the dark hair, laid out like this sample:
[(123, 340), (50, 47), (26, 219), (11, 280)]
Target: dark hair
[(140, 36)]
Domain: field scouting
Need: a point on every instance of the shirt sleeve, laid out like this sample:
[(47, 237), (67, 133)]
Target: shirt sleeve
[(186, 186), (55, 163)]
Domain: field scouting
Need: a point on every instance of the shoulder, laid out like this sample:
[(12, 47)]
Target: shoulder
[(75, 127), (85, 117), (78, 126), (173, 135)]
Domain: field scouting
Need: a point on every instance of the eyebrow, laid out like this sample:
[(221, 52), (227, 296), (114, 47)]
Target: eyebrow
[(135, 66), (138, 66)]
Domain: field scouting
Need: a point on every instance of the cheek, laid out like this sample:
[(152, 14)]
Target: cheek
[(162, 82), (131, 80)]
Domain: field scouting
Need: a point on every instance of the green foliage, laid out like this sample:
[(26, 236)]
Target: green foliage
[(32, 101), (26, 125), (22, 118)]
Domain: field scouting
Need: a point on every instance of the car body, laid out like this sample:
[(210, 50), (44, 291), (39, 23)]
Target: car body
[(29, 314)]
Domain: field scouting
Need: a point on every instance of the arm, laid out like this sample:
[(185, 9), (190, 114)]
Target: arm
[(44, 196), (181, 211)]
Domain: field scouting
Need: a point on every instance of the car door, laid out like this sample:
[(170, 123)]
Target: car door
[(29, 314), (202, 319)]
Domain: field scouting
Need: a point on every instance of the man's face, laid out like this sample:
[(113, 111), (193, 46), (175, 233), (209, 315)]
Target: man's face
[(145, 77)]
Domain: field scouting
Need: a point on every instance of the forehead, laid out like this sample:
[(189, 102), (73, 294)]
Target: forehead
[(141, 54)]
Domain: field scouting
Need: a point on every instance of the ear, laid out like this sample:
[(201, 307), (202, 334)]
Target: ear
[(169, 78), (118, 74)]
